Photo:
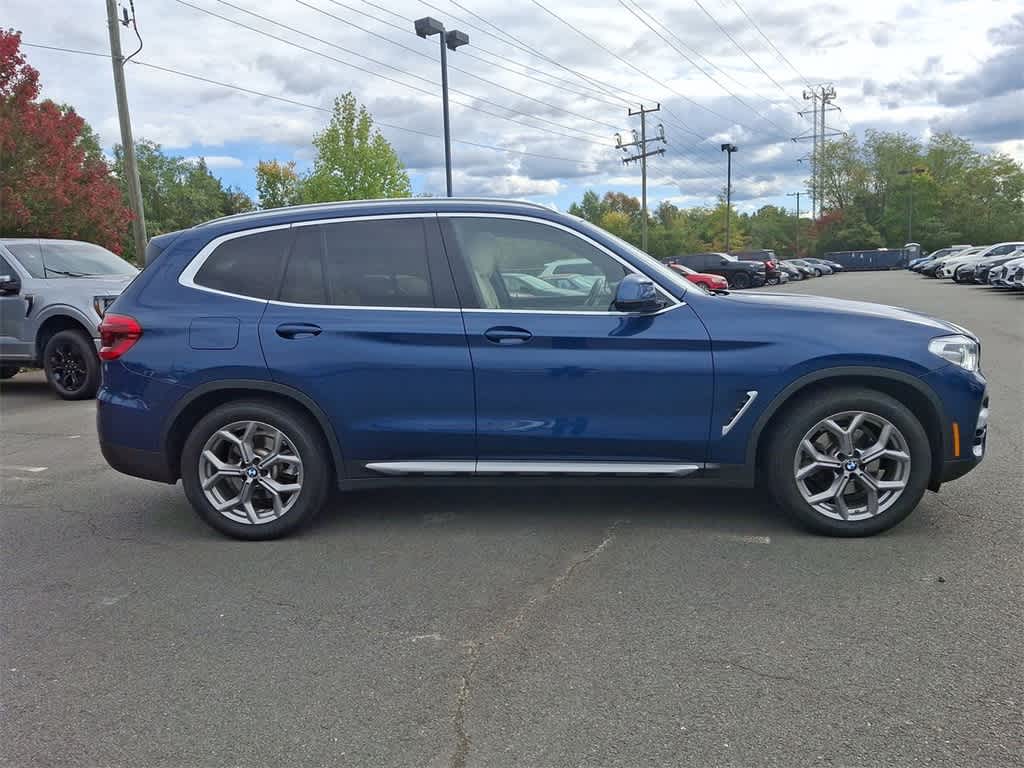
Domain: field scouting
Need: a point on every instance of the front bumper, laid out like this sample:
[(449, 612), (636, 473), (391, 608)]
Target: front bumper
[(963, 422)]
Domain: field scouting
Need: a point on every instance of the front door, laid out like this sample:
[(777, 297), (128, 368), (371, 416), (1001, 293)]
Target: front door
[(367, 324), (562, 378), (13, 308)]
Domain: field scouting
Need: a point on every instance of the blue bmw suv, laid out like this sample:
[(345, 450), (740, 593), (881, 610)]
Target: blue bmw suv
[(266, 357)]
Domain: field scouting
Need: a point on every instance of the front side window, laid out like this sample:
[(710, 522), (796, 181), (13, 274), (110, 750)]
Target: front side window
[(53, 259), (508, 261), (249, 265)]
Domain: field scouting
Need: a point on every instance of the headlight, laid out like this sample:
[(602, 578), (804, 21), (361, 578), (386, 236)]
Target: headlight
[(958, 349), (102, 303)]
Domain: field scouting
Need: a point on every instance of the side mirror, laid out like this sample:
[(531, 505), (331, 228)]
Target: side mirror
[(10, 285), (637, 293)]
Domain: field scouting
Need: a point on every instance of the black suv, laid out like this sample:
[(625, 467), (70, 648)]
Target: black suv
[(740, 274), (767, 257)]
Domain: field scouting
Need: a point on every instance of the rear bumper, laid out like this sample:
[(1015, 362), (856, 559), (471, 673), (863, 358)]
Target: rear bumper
[(148, 465)]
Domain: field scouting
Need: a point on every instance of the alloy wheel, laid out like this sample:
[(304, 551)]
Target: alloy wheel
[(67, 367), (250, 472), (852, 465)]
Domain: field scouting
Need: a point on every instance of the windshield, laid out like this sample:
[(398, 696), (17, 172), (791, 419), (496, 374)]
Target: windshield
[(51, 259), (727, 256), (667, 273)]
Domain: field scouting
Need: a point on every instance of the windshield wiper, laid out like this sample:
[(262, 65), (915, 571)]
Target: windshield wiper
[(63, 272)]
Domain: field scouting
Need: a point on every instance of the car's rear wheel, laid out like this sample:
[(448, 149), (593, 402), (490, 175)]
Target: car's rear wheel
[(849, 462), (71, 365), (8, 371), (741, 280), (255, 469)]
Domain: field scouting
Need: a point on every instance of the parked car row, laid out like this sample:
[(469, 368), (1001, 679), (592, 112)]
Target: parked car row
[(1000, 265)]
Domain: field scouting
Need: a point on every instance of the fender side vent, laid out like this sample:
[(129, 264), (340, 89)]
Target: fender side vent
[(737, 413)]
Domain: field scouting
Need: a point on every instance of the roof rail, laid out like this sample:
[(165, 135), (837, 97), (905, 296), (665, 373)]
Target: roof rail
[(313, 207)]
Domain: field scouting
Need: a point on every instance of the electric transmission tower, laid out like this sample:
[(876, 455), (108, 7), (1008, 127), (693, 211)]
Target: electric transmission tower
[(821, 98), (641, 141)]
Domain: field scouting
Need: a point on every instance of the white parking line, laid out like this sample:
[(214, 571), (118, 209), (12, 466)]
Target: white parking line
[(16, 468)]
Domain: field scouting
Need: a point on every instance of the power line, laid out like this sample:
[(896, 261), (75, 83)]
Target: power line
[(540, 74), (430, 93), (695, 64), (296, 102), (632, 66), (450, 66), (774, 48), (744, 52)]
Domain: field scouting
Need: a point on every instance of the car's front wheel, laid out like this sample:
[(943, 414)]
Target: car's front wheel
[(741, 280), (71, 365), (849, 462), (255, 469)]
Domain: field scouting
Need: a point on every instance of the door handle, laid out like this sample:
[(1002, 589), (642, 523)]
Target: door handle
[(503, 334), (297, 330)]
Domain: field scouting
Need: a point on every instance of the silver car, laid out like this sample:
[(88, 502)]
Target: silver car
[(53, 294)]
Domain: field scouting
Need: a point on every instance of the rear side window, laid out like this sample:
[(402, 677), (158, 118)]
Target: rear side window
[(377, 263), (249, 265)]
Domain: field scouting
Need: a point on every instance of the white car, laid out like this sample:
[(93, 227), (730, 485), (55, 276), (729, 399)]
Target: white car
[(950, 264), (1002, 276), (570, 267)]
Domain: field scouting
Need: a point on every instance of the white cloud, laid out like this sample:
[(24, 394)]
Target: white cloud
[(220, 161), (911, 83)]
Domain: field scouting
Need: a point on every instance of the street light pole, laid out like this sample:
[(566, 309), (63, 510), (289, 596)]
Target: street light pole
[(796, 246), (728, 149), (910, 205), (449, 41)]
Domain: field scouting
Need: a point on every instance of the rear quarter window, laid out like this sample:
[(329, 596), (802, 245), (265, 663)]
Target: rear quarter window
[(248, 265)]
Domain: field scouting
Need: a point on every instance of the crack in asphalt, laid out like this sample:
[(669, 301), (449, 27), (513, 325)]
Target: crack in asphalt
[(473, 648)]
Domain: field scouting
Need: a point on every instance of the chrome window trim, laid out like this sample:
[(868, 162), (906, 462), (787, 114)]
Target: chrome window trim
[(187, 276), (630, 269)]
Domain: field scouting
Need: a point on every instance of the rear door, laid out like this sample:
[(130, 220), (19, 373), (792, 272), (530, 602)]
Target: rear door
[(367, 324)]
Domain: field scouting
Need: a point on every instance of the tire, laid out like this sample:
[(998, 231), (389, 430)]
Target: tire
[(8, 371), (302, 439), (741, 280), (852, 514), (818, 273), (71, 365)]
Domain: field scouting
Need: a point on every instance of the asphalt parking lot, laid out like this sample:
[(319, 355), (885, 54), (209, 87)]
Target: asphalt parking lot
[(540, 627)]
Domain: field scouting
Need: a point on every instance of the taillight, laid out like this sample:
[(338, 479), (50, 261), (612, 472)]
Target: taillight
[(770, 264), (118, 334)]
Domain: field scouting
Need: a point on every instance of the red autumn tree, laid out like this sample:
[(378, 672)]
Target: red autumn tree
[(52, 181)]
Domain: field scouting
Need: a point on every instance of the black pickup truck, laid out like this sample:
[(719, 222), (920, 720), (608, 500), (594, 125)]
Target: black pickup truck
[(739, 273)]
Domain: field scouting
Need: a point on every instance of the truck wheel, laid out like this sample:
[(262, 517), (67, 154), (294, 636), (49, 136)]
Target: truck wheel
[(71, 365), (741, 280), (849, 462)]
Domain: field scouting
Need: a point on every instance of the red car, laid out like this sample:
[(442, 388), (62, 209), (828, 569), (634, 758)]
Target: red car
[(703, 279)]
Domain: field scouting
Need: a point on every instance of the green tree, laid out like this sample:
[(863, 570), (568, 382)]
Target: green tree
[(354, 161), (176, 192), (277, 184)]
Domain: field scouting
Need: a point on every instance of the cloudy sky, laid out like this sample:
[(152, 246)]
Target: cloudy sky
[(543, 86)]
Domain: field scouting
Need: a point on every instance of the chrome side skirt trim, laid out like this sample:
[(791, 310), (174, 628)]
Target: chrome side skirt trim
[(423, 467), (751, 396), (533, 468)]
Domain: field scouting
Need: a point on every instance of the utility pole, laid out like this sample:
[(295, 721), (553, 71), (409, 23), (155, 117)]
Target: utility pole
[(641, 142), (131, 170), (796, 247), (449, 41), (821, 98), (728, 149)]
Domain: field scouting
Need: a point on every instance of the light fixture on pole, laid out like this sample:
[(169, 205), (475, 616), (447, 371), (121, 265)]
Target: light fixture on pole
[(451, 40), (728, 149)]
